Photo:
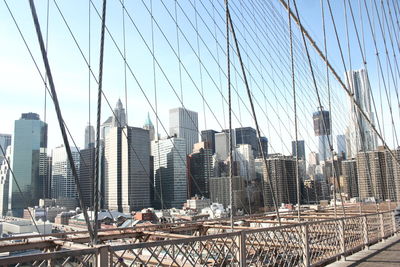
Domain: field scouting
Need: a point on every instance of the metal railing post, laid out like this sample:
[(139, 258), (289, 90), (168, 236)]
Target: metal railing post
[(365, 231), (305, 246), (382, 226), (102, 256), (242, 249), (342, 238)]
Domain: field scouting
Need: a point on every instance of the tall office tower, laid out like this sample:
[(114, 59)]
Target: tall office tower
[(170, 171), (4, 182), (371, 172), (360, 135), (322, 129), (30, 137), (282, 172), (119, 117), (209, 136), (349, 178), (148, 125), (392, 178), (184, 123), (89, 136), (222, 145), (301, 151), (200, 170), (244, 156), (264, 146), (126, 170), (220, 187), (396, 172), (86, 175), (341, 145), (248, 135), (5, 141), (45, 172), (62, 179)]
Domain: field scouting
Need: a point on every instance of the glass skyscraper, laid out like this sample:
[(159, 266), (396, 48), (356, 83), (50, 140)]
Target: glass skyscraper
[(29, 144)]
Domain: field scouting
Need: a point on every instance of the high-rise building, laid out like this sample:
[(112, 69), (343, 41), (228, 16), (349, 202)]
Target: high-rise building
[(349, 178), (5, 141), (220, 191), (119, 118), (264, 146), (282, 173), (86, 175), (89, 136), (209, 136), (322, 129), (62, 180), (170, 171), (301, 151), (341, 145), (360, 135), (148, 125), (29, 143), (245, 157), (200, 170), (248, 135), (222, 145), (372, 175), (184, 123), (5, 182), (127, 168)]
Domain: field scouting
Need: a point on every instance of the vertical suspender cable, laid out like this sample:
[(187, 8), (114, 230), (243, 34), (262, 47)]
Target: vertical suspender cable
[(295, 113), (253, 113), (228, 72), (59, 115), (97, 163)]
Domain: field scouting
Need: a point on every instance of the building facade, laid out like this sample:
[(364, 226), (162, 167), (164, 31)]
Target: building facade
[(322, 129), (209, 136), (170, 177), (359, 134), (200, 170), (89, 136), (62, 180), (183, 123), (29, 142)]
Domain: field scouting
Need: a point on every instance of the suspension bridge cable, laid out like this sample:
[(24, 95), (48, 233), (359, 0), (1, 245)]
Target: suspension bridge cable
[(337, 77), (253, 113), (295, 114), (59, 116)]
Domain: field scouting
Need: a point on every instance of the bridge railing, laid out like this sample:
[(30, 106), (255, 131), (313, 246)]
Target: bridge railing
[(310, 243)]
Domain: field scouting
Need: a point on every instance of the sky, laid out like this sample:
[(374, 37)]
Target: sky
[(164, 83)]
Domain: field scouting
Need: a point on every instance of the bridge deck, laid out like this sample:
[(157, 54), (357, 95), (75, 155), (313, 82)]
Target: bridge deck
[(385, 253)]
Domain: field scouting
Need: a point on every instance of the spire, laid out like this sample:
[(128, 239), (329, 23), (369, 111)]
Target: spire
[(119, 104), (148, 121)]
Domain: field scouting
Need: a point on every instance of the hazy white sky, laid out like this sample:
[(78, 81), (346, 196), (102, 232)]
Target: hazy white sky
[(264, 47)]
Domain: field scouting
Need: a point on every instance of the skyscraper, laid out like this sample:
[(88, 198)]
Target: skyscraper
[(62, 180), (341, 145), (127, 168), (322, 129), (29, 144), (209, 136), (170, 171), (4, 182), (350, 178), (264, 146), (148, 125), (86, 175), (360, 135), (183, 123), (119, 118), (244, 156), (248, 135), (89, 136), (301, 151), (5, 141), (200, 170), (282, 173)]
